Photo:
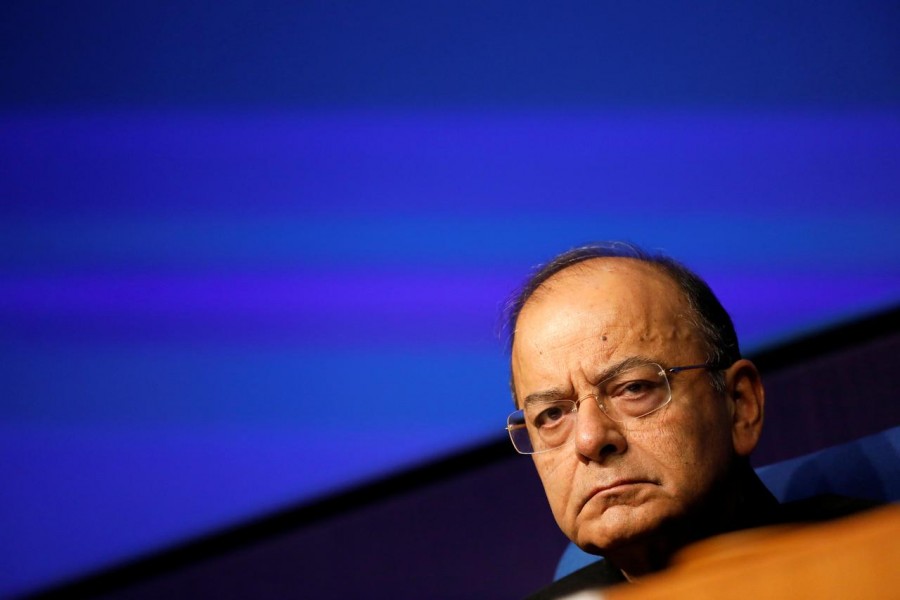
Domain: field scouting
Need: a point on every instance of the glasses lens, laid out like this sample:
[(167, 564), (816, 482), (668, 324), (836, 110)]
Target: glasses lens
[(541, 426), (518, 433), (635, 392)]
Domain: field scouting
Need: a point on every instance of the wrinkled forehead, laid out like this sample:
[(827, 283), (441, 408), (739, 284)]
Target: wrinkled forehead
[(601, 304)]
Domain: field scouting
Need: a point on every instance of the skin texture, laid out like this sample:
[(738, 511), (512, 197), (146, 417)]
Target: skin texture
[(636, 491)]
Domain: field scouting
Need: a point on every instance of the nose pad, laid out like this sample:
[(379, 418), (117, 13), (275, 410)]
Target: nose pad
[(596, 435)]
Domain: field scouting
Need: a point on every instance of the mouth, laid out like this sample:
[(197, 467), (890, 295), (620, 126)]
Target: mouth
[(620, 485)]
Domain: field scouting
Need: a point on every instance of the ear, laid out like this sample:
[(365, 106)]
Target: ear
[(745, 389)]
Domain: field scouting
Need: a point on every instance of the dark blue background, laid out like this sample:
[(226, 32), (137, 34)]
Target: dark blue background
[(252, 254)]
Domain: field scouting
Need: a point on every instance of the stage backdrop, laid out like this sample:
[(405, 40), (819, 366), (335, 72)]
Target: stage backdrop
[(251, 255)]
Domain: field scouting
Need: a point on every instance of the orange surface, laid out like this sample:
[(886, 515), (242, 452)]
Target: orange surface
[(855, 557)]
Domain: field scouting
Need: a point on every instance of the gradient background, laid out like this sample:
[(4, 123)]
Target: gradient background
[(254, 254)]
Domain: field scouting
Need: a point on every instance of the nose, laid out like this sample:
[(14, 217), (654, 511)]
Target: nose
[(596, 435)]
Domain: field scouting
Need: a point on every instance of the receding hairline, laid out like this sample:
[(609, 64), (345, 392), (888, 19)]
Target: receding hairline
[(583, 267)]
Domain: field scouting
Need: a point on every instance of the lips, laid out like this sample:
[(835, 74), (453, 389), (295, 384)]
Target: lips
[(617, 484), (613, 486)]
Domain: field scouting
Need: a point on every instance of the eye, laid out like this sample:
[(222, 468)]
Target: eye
[(634, 391), (550, 414), (634, 388)]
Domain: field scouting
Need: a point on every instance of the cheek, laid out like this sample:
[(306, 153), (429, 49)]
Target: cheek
[(687, 452), (695, 452), (557, 478), (666, 454)]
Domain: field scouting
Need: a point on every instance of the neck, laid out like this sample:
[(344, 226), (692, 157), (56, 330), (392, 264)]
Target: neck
[(740, 502)]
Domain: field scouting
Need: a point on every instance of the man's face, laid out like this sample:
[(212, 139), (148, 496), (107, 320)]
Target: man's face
[(616, 483)]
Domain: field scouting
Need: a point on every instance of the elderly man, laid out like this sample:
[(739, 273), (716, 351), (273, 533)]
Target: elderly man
[(637, 409)]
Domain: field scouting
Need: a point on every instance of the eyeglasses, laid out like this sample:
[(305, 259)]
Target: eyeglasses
[(632, 393)]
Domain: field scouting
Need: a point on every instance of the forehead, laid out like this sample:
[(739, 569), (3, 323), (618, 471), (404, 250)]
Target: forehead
[(624, 286), (603, 306)]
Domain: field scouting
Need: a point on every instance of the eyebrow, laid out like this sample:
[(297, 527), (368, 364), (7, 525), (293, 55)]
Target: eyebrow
[(545, 396), (624, 365), (610, 371)]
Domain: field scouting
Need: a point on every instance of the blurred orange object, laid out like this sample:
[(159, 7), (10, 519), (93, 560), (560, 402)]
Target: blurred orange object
[(854, 557)]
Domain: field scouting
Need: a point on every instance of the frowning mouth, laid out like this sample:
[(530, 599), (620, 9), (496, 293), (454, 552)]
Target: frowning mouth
[(618, 484), (616, 487)]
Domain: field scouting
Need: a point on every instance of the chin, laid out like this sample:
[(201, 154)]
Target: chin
[(619, 526)]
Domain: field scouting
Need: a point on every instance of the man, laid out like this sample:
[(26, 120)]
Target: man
[(637, 408)]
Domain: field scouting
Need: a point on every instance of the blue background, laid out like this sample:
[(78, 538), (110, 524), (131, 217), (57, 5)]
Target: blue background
[(254, 254)]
